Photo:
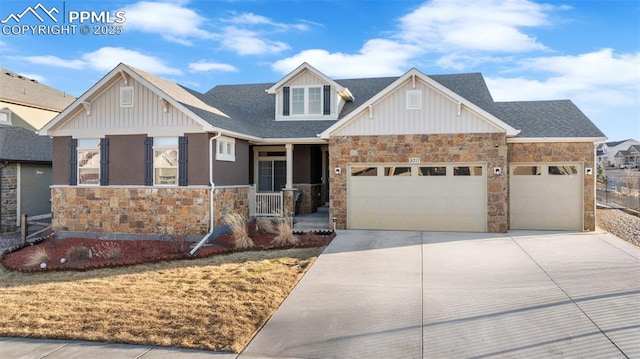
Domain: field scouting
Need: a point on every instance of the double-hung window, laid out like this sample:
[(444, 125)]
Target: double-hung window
[(89, 161), (306, 100), (165, 161)]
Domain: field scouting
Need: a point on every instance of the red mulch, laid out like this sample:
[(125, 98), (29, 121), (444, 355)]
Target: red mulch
[(142, 251)]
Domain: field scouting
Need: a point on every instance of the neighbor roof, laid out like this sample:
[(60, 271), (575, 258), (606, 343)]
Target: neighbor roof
[(25, 91), (615, 143), (21, 145)]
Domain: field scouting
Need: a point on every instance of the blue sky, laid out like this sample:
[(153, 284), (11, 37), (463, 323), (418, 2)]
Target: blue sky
[(587, 51)]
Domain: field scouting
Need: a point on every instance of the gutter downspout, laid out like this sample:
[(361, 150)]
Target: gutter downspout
[(211, 203)]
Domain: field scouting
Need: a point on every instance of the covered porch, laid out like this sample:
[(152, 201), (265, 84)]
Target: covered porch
[(288, 179)]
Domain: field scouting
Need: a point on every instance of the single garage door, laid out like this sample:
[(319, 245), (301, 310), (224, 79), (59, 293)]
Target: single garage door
[(432, 197), (546, 196)]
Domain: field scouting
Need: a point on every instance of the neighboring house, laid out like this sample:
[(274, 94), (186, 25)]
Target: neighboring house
[(607, 152), (25, 157), (25, 174), (135, 153)]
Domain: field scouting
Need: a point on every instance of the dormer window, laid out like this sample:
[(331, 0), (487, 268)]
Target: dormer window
[(306, 100)]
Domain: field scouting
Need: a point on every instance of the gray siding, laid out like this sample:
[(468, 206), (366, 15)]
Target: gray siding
[(61, 158), (226, 173), (35, 195), (126, 160)]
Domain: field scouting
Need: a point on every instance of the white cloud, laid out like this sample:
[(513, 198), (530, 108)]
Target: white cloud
[(460, 32), (172, 21), (247, 42), (105, 59), (378, 57), (482, 25), (49, 60), (600, 77), (205, 66), (251, 19)]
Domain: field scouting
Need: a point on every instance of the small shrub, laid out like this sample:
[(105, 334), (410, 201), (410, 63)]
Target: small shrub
[(107, 250), (265, 225), (179, 243), (78, 254), (37, 257), (238, 225), (285, 234)]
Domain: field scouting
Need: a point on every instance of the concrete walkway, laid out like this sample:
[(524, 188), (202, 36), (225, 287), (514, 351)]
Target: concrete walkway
[(375, 294), (459, 295)]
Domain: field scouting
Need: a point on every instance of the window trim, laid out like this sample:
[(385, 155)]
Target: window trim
[(80, 147), (414, 95), (227, 143), (155, 147), (306, 100)]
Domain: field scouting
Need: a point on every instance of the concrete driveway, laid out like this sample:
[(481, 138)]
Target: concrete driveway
[(375, 294)]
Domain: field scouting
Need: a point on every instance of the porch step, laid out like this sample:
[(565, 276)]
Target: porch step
[(312, 221)]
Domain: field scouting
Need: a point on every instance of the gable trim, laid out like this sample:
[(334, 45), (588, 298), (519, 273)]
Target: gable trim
[(341, 90), (413, 73), (97, 89)]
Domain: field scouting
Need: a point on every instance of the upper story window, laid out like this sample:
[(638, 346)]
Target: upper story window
[(5, 117), (226, 149), (165, 161), (89, 161), (306, 100)]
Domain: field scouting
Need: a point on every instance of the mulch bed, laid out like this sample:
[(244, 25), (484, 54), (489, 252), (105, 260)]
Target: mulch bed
[(133, 252)]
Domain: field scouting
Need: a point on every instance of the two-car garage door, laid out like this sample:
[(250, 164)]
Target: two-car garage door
[(436, 197)]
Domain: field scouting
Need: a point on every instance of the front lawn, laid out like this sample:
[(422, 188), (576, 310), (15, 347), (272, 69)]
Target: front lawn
[(214, 303)]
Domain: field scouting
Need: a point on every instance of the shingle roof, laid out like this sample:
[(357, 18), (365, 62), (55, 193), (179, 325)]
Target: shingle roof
[(615, 143), (251, 109), (559, 118), (19, 144), (23, 90)]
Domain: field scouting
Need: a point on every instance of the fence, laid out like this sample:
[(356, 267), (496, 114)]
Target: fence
[(33, 221), (622, 191)]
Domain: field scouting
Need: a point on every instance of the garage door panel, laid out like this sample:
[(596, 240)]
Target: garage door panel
[(417, 201), (546, 196)]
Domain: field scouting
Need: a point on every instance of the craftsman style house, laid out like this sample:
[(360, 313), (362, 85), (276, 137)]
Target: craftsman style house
[(138, 154)]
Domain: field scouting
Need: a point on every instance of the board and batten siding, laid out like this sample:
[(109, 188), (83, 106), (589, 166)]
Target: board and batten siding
[(308, 79), (438, 114), (147, 115)]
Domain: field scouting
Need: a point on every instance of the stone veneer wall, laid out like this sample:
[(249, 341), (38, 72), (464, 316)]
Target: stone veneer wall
[(231, 200), (580, 152), (310, 197), (490, 148), (9, 197), (148, 211)]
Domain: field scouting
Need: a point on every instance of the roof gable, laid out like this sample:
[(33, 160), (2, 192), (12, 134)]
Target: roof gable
[(169, 95), (305, 67), (474, 117)]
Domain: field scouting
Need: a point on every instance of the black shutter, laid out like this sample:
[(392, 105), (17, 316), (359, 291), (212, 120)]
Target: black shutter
[(104, 161), (182, 161), (327, 100), (148, 161), (285, 101), (73, 162)]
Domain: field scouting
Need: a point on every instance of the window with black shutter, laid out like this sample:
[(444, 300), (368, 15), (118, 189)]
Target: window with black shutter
[(104, 161), (148, 161), (182, 161), (327, 100), (73, 162), (285, 101)]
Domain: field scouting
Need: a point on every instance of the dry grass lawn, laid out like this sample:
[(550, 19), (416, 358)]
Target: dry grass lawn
[(215, 303)]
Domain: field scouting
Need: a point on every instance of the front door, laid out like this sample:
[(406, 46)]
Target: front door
[(272, 175)]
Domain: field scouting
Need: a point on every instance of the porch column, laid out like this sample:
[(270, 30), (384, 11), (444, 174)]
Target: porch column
[(289, 148)]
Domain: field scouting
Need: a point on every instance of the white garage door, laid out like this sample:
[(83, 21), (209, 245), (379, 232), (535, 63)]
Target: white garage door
[(546, 196), (434, 197)]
